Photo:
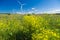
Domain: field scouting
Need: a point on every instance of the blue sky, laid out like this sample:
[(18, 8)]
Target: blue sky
[(30, 5)]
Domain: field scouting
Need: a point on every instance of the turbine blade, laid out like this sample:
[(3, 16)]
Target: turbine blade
[(23, 4), (19, 2)]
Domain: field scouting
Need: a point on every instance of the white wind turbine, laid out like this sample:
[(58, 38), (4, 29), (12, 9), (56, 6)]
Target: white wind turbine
[(21, 6)]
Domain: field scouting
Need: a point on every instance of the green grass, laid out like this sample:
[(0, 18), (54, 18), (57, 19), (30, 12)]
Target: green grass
[(29, 27)]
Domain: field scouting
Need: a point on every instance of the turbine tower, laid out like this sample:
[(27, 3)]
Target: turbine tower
[(21, 6)]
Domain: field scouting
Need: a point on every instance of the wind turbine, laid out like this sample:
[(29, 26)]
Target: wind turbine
[(21, 6)]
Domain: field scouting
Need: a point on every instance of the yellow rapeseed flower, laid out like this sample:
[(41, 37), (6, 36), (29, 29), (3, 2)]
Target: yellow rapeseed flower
[(45, 39), (1, 23)]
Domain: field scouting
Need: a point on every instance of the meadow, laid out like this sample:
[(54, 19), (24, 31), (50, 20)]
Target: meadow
[(29, 27)]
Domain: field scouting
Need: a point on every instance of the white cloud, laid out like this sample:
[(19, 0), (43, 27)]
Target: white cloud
[(33, 8), (55, 11)]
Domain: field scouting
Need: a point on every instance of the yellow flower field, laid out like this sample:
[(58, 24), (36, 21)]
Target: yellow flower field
[(29, 27)]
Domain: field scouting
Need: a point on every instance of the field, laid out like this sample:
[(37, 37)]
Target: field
[(29, 27)]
